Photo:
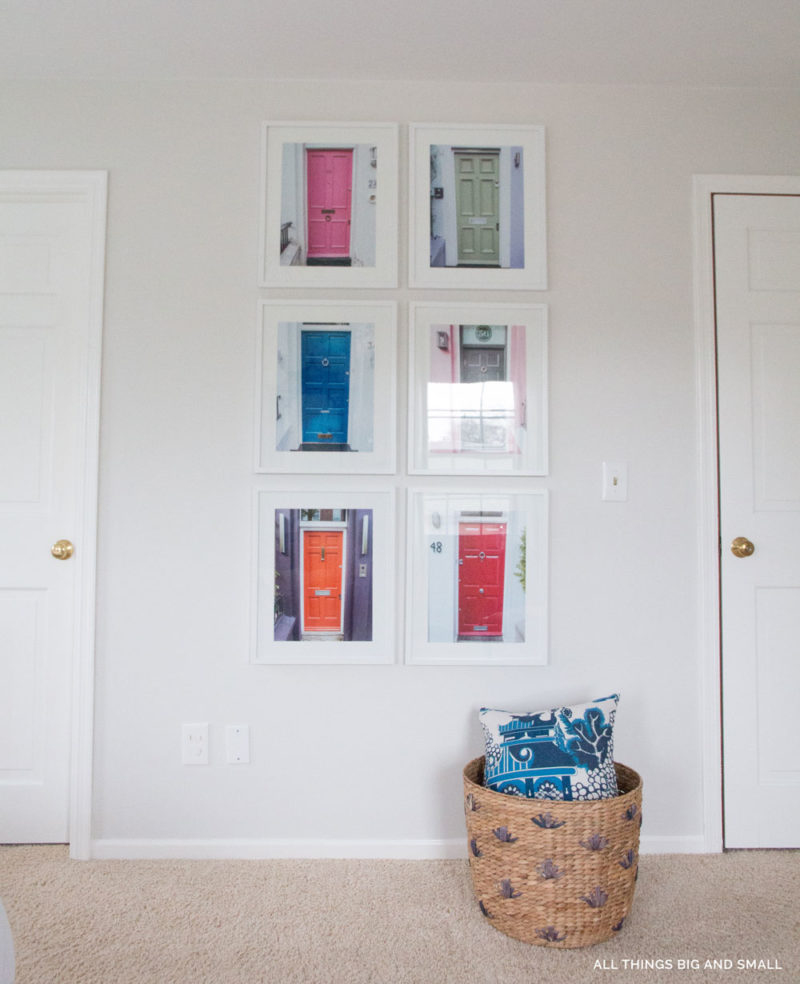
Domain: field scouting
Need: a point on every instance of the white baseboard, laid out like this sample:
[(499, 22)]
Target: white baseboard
[(691, 844), (247, 849), (268, 849)]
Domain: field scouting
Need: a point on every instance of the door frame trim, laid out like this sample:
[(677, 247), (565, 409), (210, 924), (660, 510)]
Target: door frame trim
[(704, 187)]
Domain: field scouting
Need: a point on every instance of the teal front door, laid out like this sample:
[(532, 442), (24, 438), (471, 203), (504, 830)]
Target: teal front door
[(325, 385)]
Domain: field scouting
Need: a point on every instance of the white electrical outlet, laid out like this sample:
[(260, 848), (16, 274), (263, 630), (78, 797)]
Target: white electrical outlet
[(237, 741), (194, 744)]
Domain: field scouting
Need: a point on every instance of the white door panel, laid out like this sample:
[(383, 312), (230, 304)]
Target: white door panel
[(757, 267), (48, 338)]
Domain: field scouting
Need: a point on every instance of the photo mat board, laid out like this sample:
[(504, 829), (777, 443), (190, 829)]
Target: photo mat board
[(477, 577), (323, 589), (329, 205), (478, 389), (477, 203), (326, 387)]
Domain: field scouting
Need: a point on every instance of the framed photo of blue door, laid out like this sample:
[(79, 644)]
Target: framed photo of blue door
[(326, 387)]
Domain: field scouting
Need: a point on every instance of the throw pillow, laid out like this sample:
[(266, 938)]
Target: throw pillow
[(564, 753)]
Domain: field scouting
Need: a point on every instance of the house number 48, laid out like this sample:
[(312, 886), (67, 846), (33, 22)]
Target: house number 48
[(437, 546)]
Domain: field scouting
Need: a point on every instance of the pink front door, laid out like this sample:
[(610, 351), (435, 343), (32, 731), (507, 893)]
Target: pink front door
[(330, 183)]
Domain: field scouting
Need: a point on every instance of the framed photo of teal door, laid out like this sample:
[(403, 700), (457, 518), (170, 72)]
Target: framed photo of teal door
[(325, 387), (477, 207)]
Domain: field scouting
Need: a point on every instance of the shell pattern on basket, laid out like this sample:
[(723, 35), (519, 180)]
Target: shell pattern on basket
[(562, 877)]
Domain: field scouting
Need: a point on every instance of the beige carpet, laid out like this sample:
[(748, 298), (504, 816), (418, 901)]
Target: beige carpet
[(382, 922)]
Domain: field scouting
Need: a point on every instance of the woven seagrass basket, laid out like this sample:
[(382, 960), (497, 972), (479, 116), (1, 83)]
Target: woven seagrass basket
[(552, 872)]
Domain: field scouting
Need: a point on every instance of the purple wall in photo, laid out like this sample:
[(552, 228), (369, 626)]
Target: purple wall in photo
[(286, 565), (358, 613)]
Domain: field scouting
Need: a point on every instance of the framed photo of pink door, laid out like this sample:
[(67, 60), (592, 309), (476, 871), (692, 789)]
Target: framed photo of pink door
[(329, 205)]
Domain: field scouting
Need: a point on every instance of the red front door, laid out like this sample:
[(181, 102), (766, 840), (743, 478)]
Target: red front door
[(481, 575), (322, 581), (330, 183)]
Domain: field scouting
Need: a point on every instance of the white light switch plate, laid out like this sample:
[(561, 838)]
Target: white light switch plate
[(237, 741), (615, 481)]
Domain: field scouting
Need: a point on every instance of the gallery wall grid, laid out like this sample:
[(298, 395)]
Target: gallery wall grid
[(385, 532)]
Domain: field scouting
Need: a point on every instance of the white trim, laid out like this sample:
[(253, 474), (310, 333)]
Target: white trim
[(677, 844), (255, 849), (704, 186), (81, 767)]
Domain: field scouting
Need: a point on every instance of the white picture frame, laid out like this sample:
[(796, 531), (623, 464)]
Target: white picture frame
[(463, 180), (448, 532), (329, 205), (357, 528), (344, 420), (478, 389)]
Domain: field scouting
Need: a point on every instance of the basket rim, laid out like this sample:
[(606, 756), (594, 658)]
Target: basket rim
[(631, 775)]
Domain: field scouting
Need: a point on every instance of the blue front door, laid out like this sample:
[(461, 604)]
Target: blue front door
[(325, 386)]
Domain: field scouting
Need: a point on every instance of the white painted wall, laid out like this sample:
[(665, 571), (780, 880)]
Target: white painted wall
[(384, 759)]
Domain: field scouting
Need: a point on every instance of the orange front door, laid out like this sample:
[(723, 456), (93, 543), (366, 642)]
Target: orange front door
[(322, 580)]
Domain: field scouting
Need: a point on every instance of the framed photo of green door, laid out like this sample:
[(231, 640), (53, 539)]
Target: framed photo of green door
[(477, 201)]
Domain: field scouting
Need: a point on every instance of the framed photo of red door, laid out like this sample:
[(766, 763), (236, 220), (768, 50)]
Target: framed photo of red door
[(477, 577)]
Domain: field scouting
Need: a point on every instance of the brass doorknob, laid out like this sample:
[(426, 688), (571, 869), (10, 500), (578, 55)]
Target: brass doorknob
[(742, 547), (62, 550)]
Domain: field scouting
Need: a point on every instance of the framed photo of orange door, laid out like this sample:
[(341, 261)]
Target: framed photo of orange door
[(329, 205), (323, 590)]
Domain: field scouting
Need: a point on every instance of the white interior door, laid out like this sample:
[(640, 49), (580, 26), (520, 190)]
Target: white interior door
[(51, 272), (757, 270)]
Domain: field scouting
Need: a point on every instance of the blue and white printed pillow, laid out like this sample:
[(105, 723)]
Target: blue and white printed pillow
[(565, 753)]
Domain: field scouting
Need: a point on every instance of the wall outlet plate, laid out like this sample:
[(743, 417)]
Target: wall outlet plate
[(237, 743), (194, 744)]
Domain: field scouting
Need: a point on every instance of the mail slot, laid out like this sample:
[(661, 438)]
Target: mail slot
[(322, 592), (328, 211), (480, 628), (324, 437)]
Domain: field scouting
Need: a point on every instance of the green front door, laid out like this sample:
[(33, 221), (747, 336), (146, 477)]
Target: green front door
[(478, 215)]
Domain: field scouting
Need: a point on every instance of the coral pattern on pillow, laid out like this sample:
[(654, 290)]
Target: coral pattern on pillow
[(565, 753)]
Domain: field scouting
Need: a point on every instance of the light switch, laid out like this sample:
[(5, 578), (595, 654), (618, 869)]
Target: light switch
[(615, 481)]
